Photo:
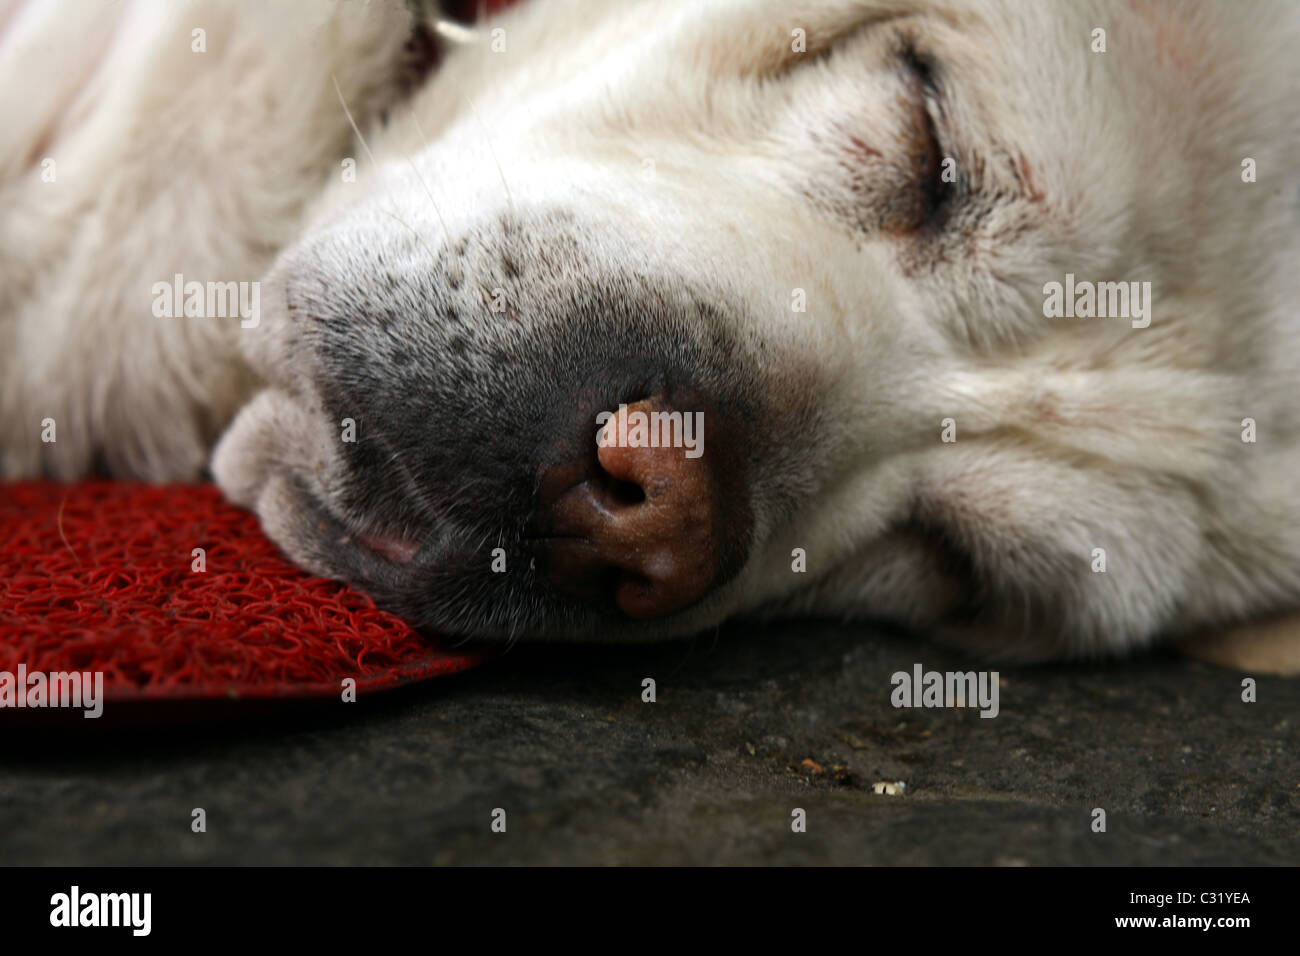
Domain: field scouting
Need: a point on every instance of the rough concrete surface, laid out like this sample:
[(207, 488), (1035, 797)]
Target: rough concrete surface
[(749, 724)]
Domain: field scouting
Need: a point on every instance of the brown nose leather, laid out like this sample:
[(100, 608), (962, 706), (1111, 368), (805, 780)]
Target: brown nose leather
[(640, 527)]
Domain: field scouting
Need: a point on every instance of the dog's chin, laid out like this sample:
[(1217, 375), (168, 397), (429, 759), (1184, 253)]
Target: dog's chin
[(267, 463), (412, 576)]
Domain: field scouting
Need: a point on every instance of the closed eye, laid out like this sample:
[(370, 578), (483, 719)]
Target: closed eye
[(876, 131), (936, 165)]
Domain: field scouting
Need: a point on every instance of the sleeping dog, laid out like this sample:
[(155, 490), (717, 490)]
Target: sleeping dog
[(614, 320)]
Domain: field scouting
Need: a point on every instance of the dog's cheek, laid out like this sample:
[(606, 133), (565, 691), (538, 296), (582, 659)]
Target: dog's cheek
[(273, 344), (1073, 560), (272, 434)]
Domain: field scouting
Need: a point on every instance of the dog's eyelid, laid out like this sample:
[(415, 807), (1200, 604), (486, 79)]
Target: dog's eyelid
[(819, 42), (927, 73), (925, 69)]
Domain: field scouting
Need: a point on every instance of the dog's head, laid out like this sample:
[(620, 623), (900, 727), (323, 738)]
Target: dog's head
[(647, 314)]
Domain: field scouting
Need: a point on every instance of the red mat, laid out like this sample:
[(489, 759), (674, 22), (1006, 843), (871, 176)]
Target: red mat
[(100, 576)]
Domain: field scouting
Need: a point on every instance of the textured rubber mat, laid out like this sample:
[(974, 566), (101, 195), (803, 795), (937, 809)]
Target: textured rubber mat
[(171, 592)]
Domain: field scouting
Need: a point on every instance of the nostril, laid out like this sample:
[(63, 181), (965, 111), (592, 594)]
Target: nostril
[(639, 466), (641, 525), (622, 493)]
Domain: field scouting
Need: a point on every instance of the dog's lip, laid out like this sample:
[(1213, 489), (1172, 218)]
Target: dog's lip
[(395, 548)]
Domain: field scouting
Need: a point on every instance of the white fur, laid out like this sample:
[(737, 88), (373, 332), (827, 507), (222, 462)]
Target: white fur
[(1072, 435)]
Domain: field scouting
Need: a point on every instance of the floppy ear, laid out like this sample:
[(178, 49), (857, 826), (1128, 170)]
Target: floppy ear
[(1265, 647)]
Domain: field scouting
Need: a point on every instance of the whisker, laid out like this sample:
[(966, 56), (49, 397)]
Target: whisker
[(438, 212), (366, 146), (487, 138), (353, 123)]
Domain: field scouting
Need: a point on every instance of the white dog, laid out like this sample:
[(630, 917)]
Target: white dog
[(630, 317)]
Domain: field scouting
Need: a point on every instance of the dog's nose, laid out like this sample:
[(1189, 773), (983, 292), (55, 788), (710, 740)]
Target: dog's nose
[(640, 521)]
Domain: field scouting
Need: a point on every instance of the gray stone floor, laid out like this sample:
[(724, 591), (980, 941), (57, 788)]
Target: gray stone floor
[(748, 725)]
